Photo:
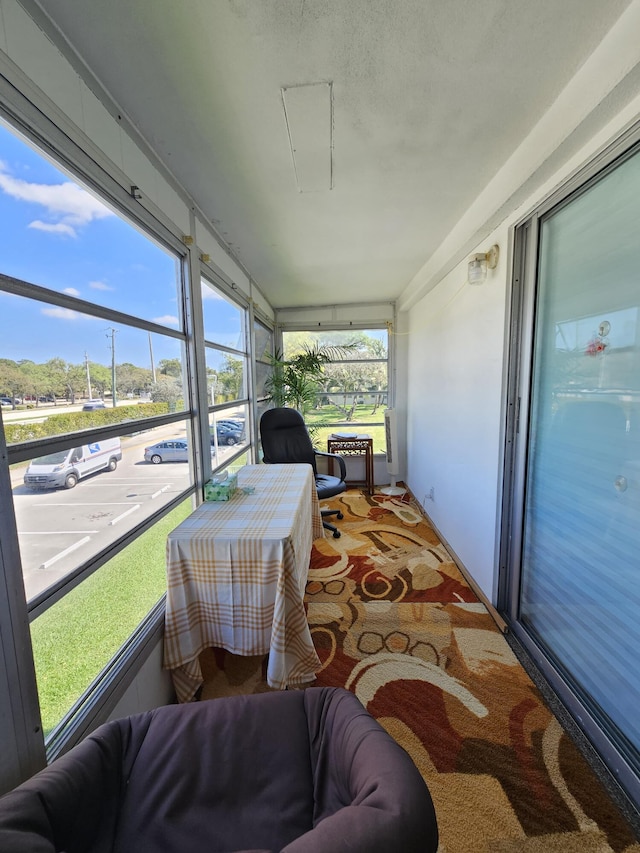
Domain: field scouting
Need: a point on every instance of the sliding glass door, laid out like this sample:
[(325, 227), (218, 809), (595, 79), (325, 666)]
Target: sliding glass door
[(575, 572)]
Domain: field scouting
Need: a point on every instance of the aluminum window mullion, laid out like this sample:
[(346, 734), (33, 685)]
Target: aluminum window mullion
[(252, 377), (38, 293), (222, 348), (23, 743), (40, 446), (517, 427)]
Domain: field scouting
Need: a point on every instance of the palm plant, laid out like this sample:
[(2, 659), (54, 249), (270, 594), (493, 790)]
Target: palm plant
[(295, 382)]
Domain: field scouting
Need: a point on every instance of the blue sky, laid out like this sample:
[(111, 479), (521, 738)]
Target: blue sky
[(56, 234)]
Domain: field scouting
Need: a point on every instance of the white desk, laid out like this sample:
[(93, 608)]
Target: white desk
[(236, 575)]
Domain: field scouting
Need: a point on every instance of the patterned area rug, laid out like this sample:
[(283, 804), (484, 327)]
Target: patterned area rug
[(394, 621)]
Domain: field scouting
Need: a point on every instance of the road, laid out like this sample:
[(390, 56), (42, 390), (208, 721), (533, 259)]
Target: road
[(58, 529), (42, 412)]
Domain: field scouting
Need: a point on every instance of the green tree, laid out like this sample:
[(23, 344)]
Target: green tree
[(166, 390), (170, 367), (11, 379), (132, 379), (55, 374), (296, 380), (35, 379), (348, 379), (76, 381), (230, 378), (358, 365), (100, 378)]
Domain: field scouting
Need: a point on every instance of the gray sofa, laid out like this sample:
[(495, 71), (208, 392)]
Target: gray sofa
[(306, 771)]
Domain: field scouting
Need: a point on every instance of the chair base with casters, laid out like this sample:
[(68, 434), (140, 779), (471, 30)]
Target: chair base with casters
[(285, 439), (299, 771), (326, 513), (325, 485)]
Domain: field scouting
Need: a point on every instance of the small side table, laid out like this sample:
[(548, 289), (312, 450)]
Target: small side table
[(361, 445)]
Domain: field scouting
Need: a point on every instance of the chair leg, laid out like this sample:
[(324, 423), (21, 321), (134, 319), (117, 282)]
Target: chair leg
[(326, 512)]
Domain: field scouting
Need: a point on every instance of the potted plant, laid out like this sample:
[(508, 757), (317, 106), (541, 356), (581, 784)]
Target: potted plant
[(294, 382)]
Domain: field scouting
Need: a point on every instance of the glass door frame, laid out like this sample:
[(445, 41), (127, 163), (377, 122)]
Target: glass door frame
[(518, 382)]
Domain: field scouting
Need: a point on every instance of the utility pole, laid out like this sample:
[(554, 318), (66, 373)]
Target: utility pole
[(111, 333), (153, 367), (86, 365)]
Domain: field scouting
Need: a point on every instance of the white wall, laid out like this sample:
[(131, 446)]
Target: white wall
[(455, 375), (455, 362), (151, 688)]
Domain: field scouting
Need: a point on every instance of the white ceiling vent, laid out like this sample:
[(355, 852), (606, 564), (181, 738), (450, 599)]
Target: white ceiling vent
[(308, 112)]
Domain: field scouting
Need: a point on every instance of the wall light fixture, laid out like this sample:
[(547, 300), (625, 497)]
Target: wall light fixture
[(480, 263)]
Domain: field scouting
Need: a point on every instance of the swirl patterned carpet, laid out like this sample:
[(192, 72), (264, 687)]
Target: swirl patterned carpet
[(394, 621)]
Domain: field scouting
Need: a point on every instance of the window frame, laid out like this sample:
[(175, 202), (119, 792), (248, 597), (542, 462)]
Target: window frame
[(23, 119), (231, 295), (326, 327), (520, 325)]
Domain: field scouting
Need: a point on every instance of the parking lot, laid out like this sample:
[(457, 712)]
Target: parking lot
[(60, 528)]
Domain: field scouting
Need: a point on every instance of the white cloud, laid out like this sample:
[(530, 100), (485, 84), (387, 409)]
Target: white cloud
[(61, 313), (57, 228), (167, 320), (68, 205), (99, 285), (71, 291), (209, 293)]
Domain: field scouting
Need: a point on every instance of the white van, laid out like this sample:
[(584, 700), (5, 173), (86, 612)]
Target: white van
[(66, 467)]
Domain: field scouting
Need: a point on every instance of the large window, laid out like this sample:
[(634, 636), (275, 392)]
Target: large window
[(227, 375), (96, 413), (263, 357), (351, 393), (573, 533)]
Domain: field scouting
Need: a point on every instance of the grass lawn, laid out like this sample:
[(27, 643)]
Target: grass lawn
[(77, 637), (330, 419)]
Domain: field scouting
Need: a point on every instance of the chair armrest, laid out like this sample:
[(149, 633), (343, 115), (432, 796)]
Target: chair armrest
[(341, 462)]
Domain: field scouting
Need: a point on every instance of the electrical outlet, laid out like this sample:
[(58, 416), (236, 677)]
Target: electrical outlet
[(428, 497)]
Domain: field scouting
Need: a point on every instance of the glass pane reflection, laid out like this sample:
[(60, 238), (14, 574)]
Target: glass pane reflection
[(226, 379), (72, 507), (78, 636), (223, 320), (229, 431)]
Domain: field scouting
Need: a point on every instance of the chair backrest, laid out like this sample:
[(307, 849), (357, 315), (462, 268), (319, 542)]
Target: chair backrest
[(295, 769), (285, 438)]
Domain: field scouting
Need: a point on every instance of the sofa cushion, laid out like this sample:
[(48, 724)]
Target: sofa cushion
[(302, 771), (226, 774)]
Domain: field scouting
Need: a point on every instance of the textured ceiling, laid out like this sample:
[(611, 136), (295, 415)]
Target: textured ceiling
[(430, 97)]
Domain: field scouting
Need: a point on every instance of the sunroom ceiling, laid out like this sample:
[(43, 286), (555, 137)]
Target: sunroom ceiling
[(334, 143)]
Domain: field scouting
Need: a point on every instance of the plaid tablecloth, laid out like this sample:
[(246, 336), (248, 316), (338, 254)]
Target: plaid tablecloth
[(236, 575)]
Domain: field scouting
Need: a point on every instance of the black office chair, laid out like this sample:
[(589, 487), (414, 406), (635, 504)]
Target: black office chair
[(285, 439)]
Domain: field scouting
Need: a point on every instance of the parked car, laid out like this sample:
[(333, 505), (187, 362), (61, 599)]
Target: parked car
[(229, 432), (231, 422), (92, 405), (6, 401), (173, 450)]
